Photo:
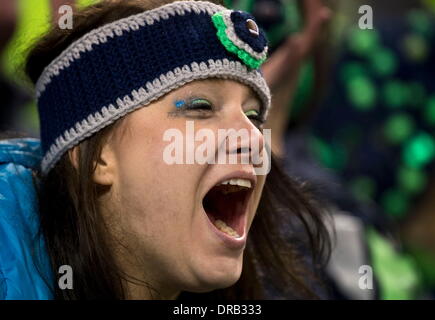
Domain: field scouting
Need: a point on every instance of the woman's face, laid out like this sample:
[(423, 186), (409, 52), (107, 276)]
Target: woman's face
[(168, 218)]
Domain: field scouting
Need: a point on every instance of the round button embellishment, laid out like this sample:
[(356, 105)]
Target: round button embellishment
[(240, 34), (252, 27)]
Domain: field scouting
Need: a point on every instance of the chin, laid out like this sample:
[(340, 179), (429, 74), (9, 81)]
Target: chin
[(218, 276)]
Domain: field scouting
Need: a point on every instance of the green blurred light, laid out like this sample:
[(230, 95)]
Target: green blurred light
[(361, 92), (420, 22), (352, 70), (429, 111), (415, 47), (417, 92), (363, 188), (363, 42), (430, 4), (34, 21), (304, 90), (425, 260), (333, 157), (411, 180), (396, 94), (397, 273), (27, 116), (395, 203), (383, 62), (322, 151), (419, 151), (398, 128), (85, 3)]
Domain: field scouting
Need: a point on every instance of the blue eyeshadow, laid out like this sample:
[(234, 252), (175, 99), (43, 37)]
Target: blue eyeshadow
[(179, 103)]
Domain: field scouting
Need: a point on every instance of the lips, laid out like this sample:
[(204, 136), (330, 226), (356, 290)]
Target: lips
[(226, 205)]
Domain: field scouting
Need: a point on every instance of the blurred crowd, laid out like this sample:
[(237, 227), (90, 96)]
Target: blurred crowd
[(353, 116)]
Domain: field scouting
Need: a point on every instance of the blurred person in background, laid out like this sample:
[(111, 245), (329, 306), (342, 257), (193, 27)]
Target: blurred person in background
[(13, 97), (366, 235), (295, 29), (22, 22), (375, 132)]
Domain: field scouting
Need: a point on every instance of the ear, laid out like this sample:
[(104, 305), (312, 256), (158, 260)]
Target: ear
[(105, 167), (73, 155)]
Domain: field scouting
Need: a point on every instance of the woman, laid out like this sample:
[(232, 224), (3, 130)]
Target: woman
[(129, 223)]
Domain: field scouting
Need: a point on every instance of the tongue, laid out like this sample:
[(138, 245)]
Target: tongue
[(222, 226), (225, 210)]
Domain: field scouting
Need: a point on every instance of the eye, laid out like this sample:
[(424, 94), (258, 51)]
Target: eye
[(193, 108), (199, 104), (252, 112), (255, 115)]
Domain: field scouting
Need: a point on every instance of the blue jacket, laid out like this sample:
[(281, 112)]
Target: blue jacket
[(25, 271)]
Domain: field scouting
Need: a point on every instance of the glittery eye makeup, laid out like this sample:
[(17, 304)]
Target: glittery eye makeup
[(193, 107), (252, 112), (193, 104), (255, 116), (179, 103), (200, 103), (203, 108)]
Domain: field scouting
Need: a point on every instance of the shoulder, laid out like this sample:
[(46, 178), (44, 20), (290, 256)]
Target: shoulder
[(24, 266)]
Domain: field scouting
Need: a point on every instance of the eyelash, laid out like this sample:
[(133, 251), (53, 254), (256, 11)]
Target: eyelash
[(257, 117), (199, 104), (204, 106)]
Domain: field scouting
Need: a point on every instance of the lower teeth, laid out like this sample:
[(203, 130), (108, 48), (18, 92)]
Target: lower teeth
[(222, 226)]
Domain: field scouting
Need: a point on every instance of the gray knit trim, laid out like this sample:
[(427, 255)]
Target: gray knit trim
[(150, 92), (116, 29), (231, 34)]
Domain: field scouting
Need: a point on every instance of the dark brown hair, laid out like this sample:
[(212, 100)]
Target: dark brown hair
[(287, 243)]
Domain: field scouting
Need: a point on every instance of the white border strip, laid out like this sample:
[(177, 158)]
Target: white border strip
[(116, 29), (152, 91)]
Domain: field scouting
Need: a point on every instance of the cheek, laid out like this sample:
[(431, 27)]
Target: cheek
[(261, 180), (257, 195), (157, 198)]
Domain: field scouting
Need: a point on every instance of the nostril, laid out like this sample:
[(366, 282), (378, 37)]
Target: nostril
[(243, 150)]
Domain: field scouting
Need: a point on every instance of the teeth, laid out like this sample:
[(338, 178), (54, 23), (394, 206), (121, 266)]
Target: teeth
[(222, 226), (238, 182)]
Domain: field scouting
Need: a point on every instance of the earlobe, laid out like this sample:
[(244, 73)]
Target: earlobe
[(105, 167)]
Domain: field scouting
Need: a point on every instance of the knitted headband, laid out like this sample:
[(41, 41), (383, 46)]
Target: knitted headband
[(131, 62)]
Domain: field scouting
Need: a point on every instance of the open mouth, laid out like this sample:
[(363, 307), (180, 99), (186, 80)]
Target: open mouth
[(226, 204)]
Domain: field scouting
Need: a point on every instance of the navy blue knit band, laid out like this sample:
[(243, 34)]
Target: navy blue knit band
[(128, 64)]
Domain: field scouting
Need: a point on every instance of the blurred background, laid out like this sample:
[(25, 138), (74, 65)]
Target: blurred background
[(354, 115)]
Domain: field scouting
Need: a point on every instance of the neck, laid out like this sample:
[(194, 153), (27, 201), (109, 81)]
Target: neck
[(140, 279), (136, 291), (141, 284)]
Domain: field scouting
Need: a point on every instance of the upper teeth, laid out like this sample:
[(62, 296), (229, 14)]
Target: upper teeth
[(238, 182)]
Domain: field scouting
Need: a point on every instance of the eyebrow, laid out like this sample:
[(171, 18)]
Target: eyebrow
[(248, 96), (252, 97)]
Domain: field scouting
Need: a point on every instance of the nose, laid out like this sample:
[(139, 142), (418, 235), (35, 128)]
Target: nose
[(242, 142)]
